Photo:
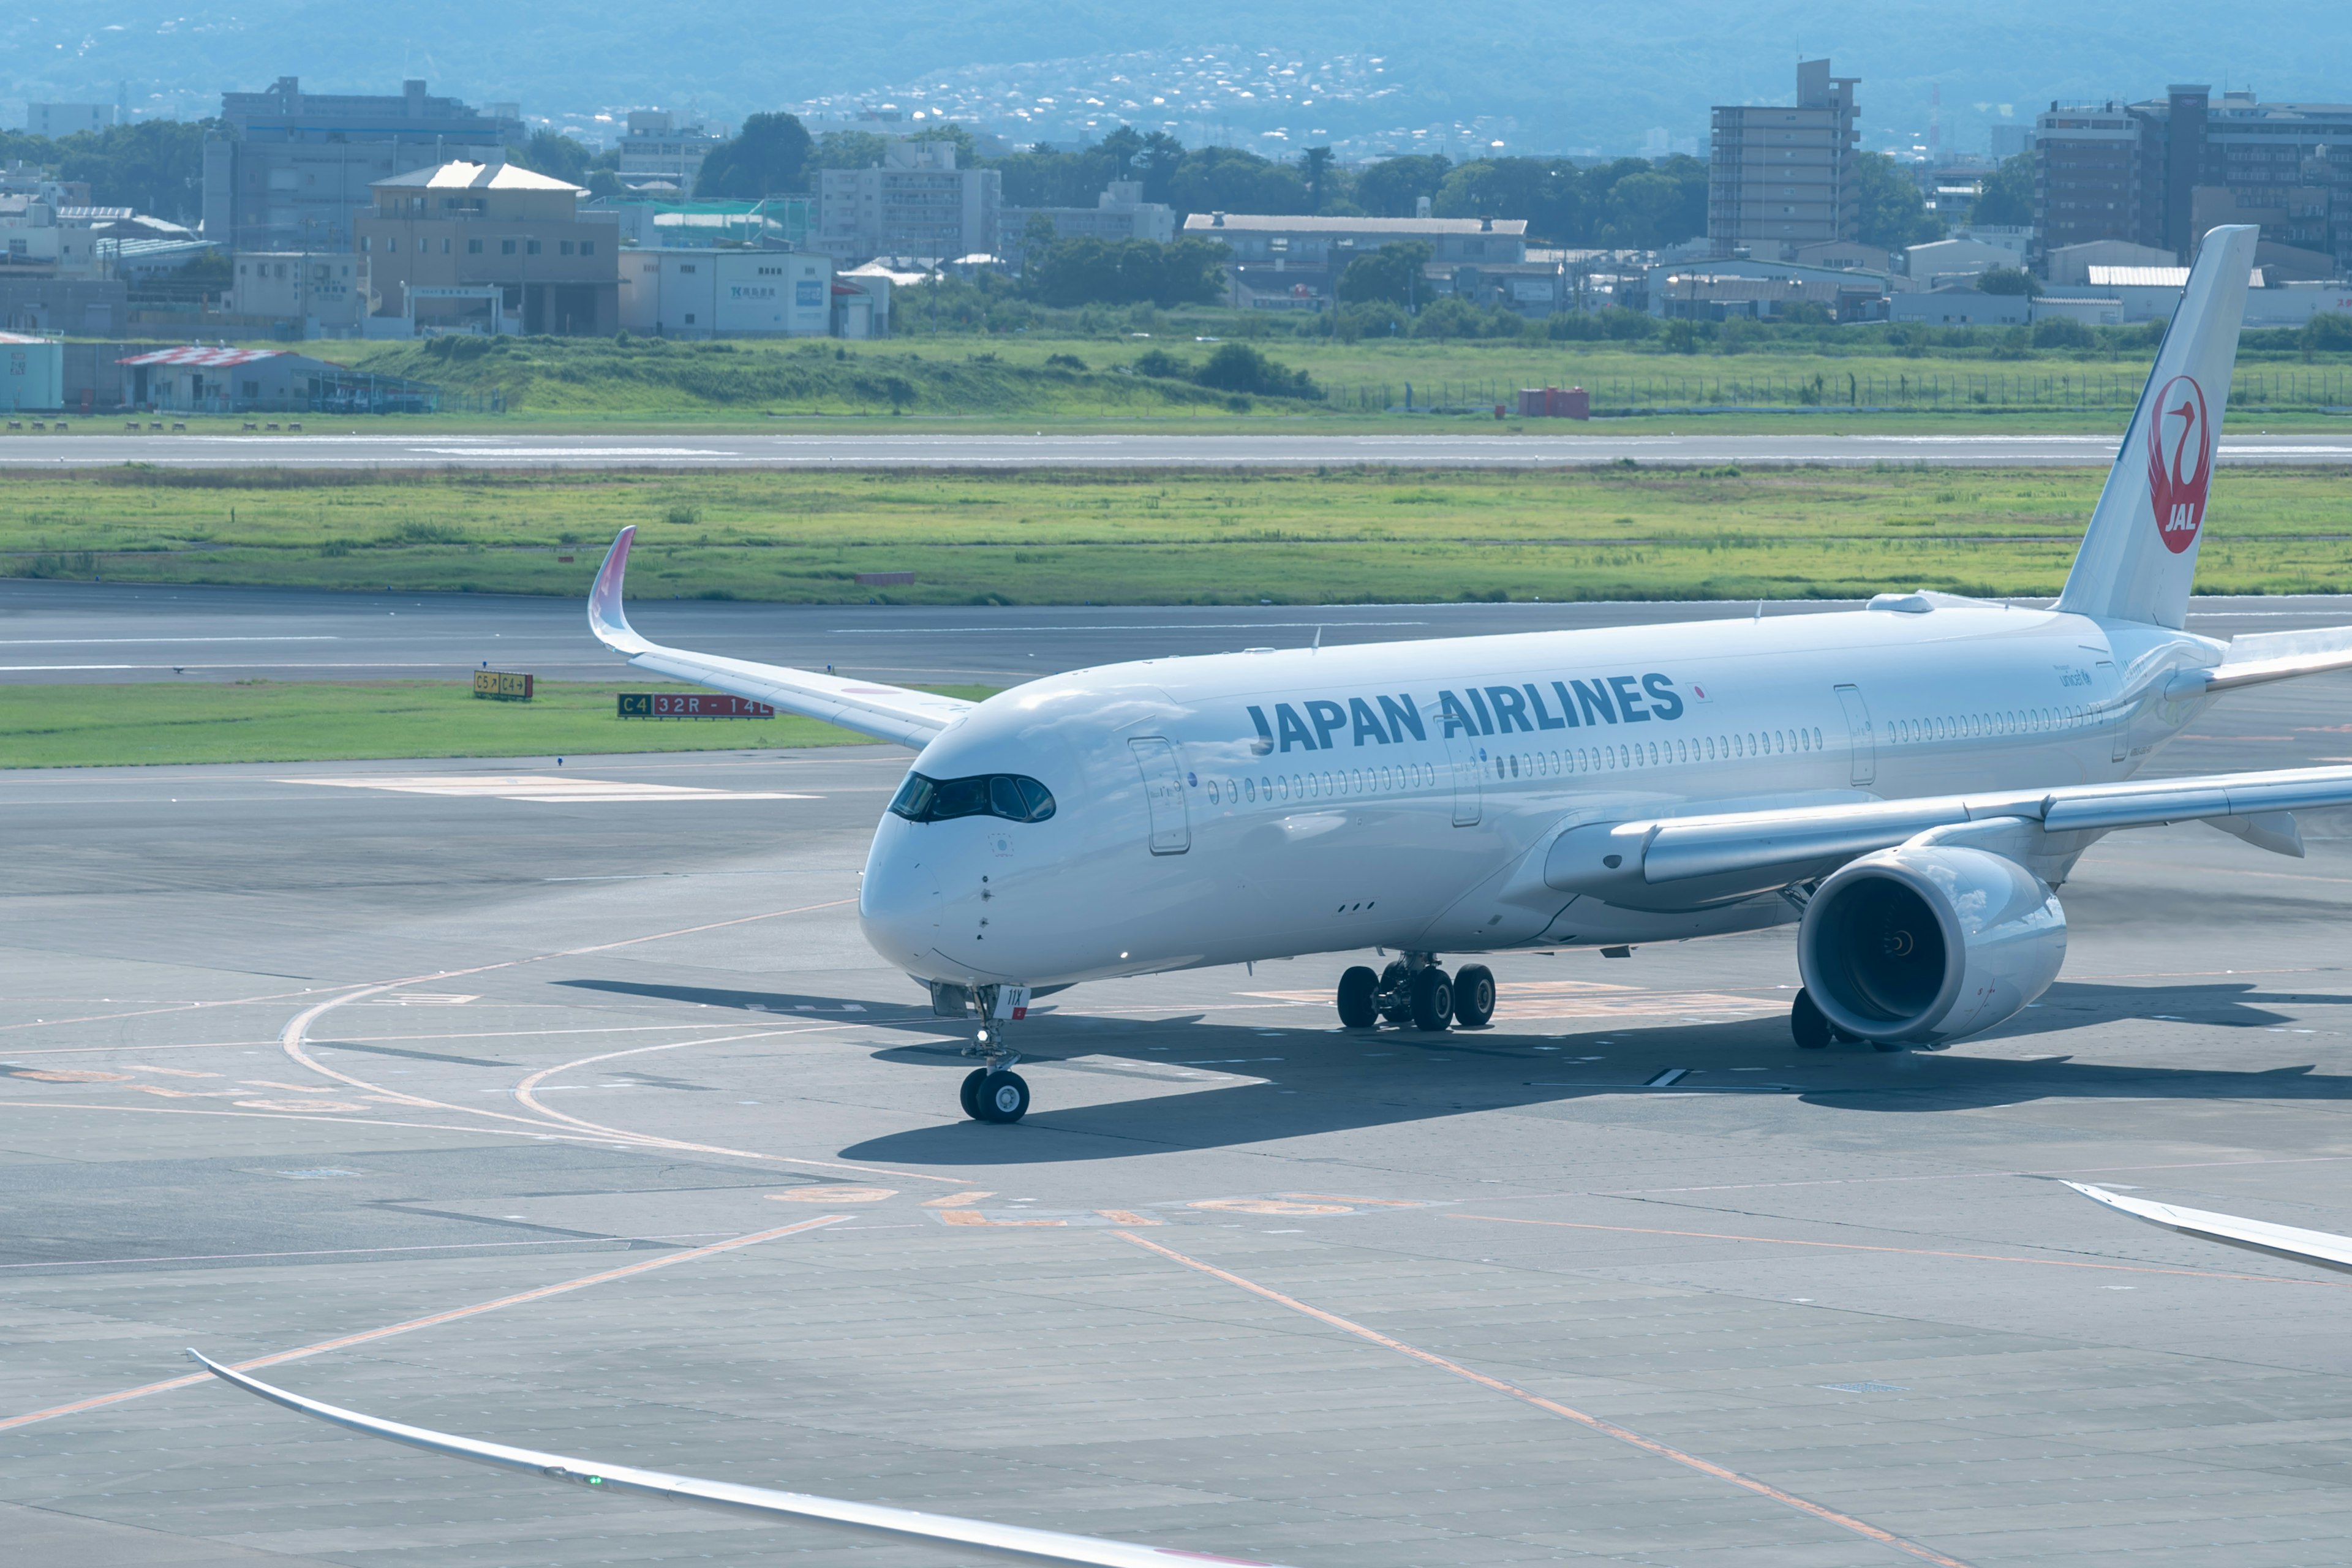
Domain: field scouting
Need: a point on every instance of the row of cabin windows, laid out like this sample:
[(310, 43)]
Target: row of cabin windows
[(474, 247), (1969, 726), (1657, 753), (1520, 765), (1315, 786)]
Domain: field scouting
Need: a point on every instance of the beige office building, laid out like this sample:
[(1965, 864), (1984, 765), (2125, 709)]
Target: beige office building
[(481, 225)]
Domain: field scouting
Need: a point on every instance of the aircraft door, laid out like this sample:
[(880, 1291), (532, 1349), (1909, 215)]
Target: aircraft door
[(1859, 735), (2109, 690), (1163, 793), (1468, 768)]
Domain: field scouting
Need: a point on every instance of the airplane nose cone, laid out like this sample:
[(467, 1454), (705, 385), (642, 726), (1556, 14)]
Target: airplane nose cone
[(898, 906)]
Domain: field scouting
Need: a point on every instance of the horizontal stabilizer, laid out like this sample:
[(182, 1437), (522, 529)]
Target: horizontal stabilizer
[(2323, 1247), (965, 1535), (2281, 656), (894, 713)]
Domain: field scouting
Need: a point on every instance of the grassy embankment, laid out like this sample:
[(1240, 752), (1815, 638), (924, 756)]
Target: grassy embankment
[(282, 722), (1346, 536), (912, 382)]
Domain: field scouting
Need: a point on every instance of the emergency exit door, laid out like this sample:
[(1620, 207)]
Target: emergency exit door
[(1163, 795), (1859, 736)]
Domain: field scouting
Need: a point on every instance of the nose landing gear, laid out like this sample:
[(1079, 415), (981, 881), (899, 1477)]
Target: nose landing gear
[(994, 1092)]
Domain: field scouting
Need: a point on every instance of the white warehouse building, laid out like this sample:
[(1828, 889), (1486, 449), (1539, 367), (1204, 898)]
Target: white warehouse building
[(726, 293)]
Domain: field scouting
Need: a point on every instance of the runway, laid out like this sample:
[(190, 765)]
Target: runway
[(82, 633), (387, 448), (567, 1108)]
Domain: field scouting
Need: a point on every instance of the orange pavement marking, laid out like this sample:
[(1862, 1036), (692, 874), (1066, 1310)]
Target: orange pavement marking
[(1912, 1251), (1123, 1217), (437, 1318), (1608, 1428), (956, 1200)]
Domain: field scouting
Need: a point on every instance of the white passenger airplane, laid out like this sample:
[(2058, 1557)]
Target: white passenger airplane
[(1905, 783)]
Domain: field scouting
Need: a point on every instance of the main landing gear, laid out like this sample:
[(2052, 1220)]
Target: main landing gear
[(1813, 1030), (1414, 989)]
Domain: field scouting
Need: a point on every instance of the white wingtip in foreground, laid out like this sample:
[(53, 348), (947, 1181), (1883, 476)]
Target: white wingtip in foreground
[(2323, 1247), (894, 713), (895, 1523)]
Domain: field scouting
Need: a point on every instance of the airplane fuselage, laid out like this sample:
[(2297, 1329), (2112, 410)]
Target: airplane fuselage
[(1269, 803)]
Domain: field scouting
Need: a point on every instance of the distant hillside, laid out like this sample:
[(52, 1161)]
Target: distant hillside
[(1540, 76)]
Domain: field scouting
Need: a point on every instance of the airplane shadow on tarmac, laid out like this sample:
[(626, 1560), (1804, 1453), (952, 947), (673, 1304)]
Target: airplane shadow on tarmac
[(1326, 1079)]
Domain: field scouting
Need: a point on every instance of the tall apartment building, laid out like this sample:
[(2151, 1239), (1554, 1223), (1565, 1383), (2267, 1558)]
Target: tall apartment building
[(291, 171), (1779, 178), (452, 233), (659, 151), (57, 120), (2161, 172), (918, 203)]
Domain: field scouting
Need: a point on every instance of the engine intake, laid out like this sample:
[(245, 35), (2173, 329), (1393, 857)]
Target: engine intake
[(1925, 943)]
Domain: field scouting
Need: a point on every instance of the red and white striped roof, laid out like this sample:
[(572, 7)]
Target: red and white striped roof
[(204, 358)]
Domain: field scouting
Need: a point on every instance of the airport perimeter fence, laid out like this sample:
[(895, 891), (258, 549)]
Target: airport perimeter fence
[(2327, 391)]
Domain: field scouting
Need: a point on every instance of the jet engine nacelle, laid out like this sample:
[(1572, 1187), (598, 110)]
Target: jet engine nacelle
[(1927, 941)]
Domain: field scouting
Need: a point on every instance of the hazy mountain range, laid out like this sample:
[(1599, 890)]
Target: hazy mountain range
[(1606, 76)]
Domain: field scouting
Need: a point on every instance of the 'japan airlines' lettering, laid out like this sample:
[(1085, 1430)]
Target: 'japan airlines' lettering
[(1322, 724)]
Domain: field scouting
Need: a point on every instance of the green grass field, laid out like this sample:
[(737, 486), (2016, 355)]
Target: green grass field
[(1343, 536), (1060, 378), (291, 722)]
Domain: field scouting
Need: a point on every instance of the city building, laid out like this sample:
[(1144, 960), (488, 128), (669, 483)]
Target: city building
[(1843, 256), (1120, 213), (202, 380), (56, 121), (2070, 266), (1778, 178), (1724, 289), (1294, 263), (692, 226), (917, 204), (1961, 308), (289, 170), (45, 302), (32, 373), (694, 293), (657, 151), (2161, 172), (300, 293), (1943, 261), (440, 243)]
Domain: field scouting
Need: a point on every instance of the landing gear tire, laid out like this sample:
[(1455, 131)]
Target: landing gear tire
[(1398, 1009), (1001, 1097), (1807, 1024), (970, 1092), (1433, 998), (1473, 995), (1359, 992)]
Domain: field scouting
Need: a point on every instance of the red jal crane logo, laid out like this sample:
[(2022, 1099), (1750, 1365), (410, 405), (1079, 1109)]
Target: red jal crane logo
[(2180, 462)]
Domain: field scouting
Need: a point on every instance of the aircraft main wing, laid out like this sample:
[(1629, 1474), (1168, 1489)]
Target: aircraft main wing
[(867, 1519), (1762, 844), (2323, 1247), (886, 712)]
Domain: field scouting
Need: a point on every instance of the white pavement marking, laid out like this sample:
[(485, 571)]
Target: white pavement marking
[(543, 790)]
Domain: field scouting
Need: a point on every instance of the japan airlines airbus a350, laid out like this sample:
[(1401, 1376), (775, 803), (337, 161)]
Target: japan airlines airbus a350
[(1905, 783)]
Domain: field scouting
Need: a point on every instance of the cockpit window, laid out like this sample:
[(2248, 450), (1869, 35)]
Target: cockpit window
[(1008, 795)]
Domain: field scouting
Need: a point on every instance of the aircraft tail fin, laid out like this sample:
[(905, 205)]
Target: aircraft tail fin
[(2138, 558)]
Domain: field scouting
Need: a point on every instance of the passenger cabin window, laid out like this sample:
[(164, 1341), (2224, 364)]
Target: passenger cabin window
[(1008, 795)]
